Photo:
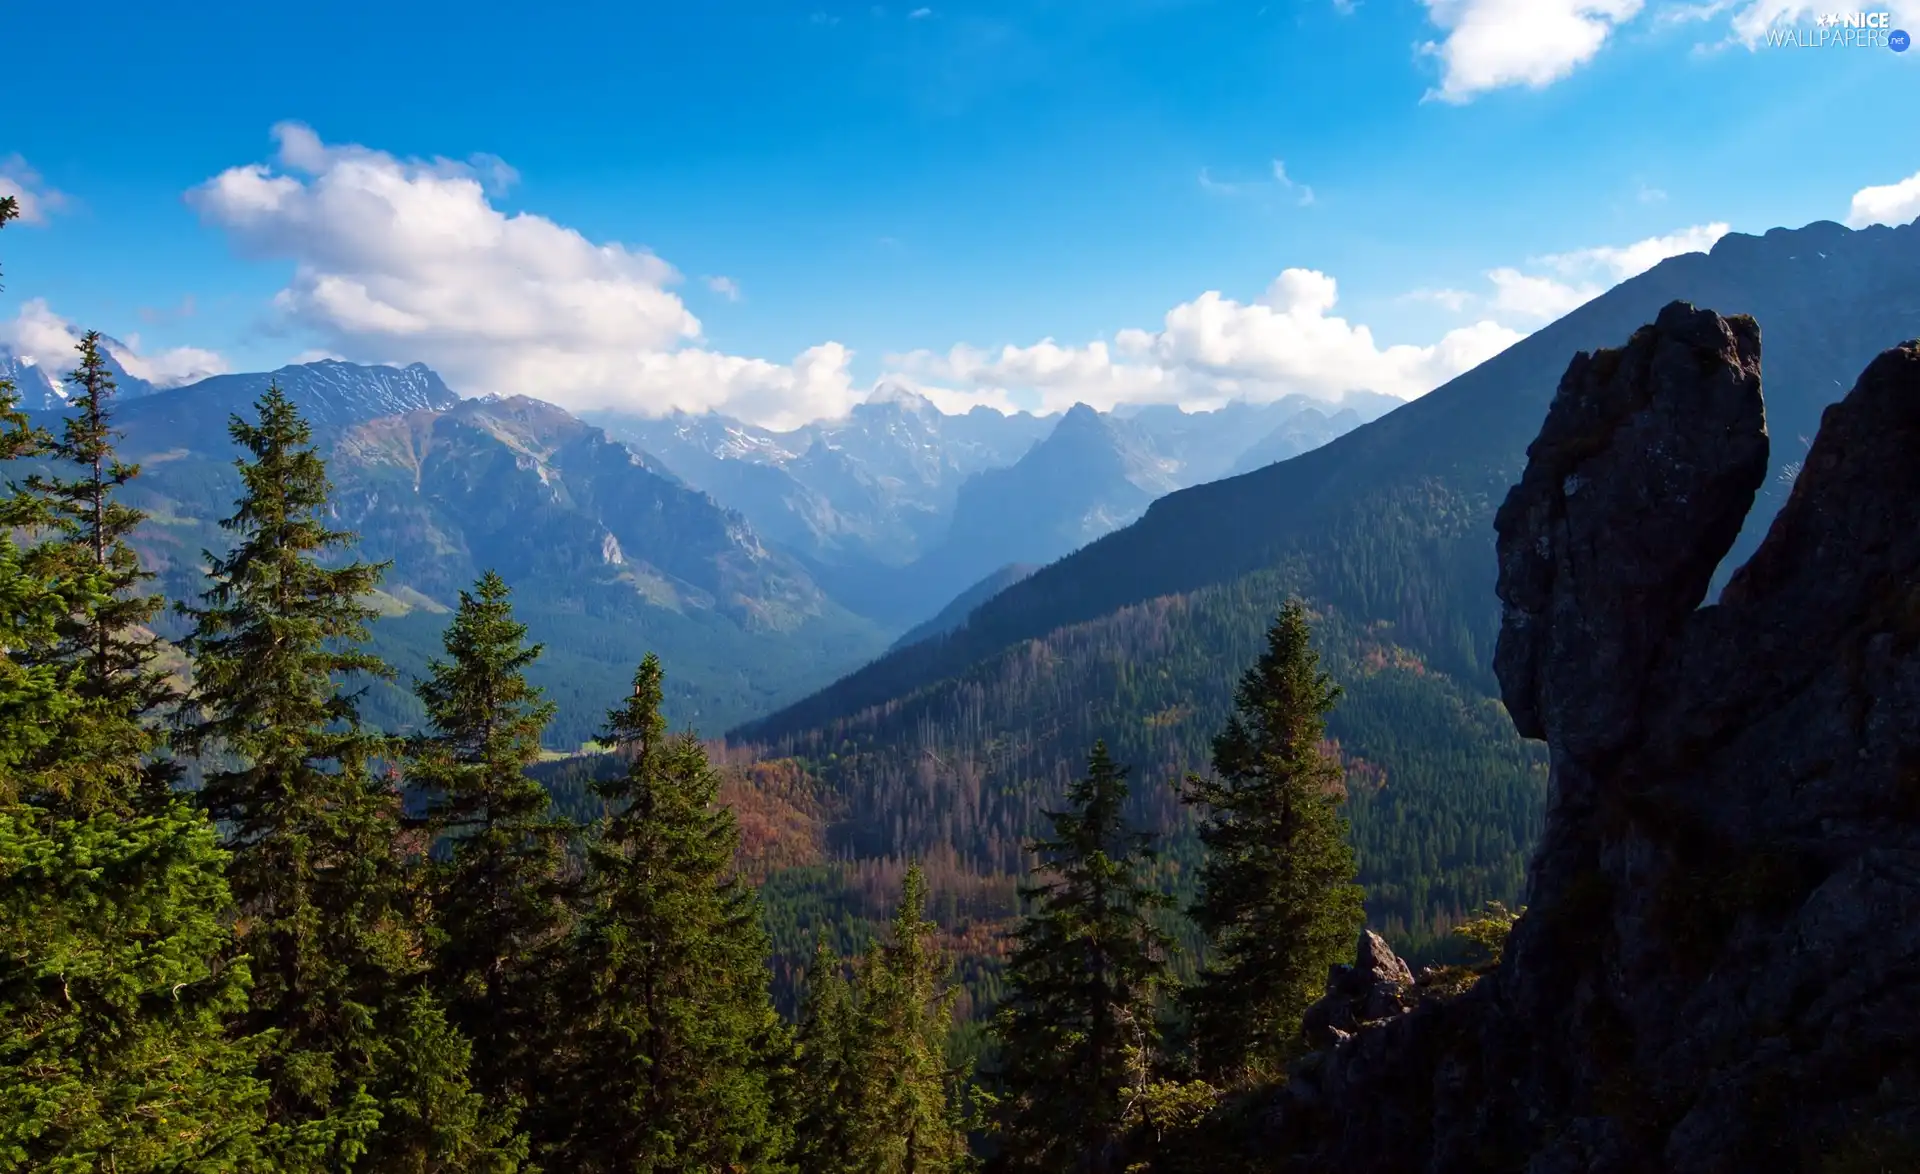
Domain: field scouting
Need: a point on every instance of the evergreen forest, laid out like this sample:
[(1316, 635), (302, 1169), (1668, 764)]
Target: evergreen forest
[(246, 926)]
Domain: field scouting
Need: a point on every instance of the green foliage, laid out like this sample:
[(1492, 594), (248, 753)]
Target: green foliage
[(92, 639), (1489, 931), (106, 641), (1277, 899), (433, 1120), (293, 779), (1078, 1033), (495, 882), (672, 1049), (114, 988), (875, 1091), (116, 977)]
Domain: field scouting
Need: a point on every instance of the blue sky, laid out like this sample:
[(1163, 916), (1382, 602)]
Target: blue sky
[(907, 191)]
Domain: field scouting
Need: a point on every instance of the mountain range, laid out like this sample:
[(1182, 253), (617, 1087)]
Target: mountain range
[(859, 527), (609, 556), (898, 506), (959, 741), (41, 391)]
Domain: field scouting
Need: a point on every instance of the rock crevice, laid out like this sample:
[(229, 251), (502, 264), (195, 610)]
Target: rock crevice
[(1719, 970)]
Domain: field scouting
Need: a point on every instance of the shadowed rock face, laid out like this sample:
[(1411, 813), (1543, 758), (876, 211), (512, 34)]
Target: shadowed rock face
[(1719, 969)]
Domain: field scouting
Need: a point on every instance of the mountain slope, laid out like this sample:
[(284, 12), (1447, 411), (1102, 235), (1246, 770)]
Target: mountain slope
[(872, 488), (1387, 532), (1090, 476), (40, 391), (955, 614), (1304, 432), (608, 556), (1392, 521)]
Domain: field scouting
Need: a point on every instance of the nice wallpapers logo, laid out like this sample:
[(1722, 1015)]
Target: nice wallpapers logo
[(1844, 30)]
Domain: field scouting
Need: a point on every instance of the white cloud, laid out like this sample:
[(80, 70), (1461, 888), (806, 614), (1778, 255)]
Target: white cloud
[(1278, 180), (1632, 260), (1210, 350), (398, 260), (46, 340), (1891, 204), (1650, 195), (1300, 191), (1533, 296), (34, 199), (1492, 44), (1214, 349), (920, 14), (1581, 275), (1219, 187), (726, 287)]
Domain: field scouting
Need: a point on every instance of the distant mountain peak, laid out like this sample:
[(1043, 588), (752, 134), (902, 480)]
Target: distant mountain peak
[(890, 393)]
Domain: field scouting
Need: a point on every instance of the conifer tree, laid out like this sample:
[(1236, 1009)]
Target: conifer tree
[(1078, 1031), (908, 1009), (109, 643), (877, 1093), (827, 1083), (674, 1049), (1278, 901), (432, 1119), (114, 980), (114, 995), (107, 753), (312, 825), (496, 884)]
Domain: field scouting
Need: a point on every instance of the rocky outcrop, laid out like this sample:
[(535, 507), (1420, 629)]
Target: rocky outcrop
[(1719, 969), (1377, 987)]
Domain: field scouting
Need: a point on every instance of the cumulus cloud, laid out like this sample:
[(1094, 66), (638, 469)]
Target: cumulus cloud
[(1533, 296), (1579, 276), (35, 201), (1214, 348), (1211, 350), (1626, 261), (1891, 204), (726, 287), (46, 340), (1493, 44), (397, 260)]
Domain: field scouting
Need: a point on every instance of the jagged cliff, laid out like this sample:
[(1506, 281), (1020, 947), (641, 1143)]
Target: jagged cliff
[(1719, 969)]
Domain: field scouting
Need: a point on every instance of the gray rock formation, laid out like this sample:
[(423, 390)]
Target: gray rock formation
[(1719, 969)]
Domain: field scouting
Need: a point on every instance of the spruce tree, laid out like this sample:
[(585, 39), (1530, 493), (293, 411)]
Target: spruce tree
[(115, 983), (115, 990), (109, 643), (496, 880), (294, 778), (674, 1049), (877, 1095), (107, 754), (1278, 901), (908, 1010), (827, 1102), (432, 1119), (1078, 1030)]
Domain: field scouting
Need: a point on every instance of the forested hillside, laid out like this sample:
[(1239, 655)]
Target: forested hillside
[(1387, 532), (1392, 520), (244, 928), (611, 556)]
